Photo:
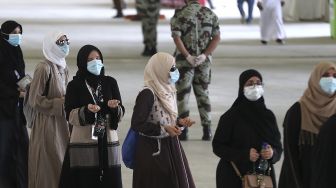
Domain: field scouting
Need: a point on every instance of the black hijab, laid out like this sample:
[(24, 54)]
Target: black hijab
[(261, 118), (82, 59), (13, 53), (7, 27)]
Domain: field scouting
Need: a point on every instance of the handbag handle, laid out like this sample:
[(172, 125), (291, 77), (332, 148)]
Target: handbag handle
[(235, 168)]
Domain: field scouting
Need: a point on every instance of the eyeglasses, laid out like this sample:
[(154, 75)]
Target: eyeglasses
[(329, 75), (252, 83), (173, 68), (61, 42)]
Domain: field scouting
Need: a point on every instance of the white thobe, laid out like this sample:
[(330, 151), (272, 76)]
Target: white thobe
[(271, 24)]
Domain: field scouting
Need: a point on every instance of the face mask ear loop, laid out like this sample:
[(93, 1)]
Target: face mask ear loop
[(4, 35)]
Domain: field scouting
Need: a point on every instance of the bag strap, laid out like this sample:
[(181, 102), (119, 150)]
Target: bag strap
[(235, 168), (46, 89)]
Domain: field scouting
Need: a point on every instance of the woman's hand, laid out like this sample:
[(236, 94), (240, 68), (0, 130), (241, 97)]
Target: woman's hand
[(254, 155), (267, 153), (173, 130), (93, 108), (186, 122), (113, 103), (22, 94)]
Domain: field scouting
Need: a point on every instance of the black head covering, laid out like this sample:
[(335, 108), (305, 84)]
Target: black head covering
[(14, 56), (82, 59), (7, 27), (262, 119)]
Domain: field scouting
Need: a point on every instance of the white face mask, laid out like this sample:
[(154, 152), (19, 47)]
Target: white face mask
[(253, 93)]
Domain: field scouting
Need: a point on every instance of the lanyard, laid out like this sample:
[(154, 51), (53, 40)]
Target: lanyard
[(90, 90)]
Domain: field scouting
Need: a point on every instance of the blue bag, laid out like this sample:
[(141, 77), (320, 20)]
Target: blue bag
[(128, 148)]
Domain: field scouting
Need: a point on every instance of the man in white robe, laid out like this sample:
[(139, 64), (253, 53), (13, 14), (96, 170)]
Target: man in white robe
[(271, 24)]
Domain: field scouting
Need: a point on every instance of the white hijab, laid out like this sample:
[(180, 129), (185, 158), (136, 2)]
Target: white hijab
[(51, 50), (156, 77)]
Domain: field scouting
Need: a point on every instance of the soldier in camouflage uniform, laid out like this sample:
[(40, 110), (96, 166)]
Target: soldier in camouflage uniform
[(195, 30), (149, 11)]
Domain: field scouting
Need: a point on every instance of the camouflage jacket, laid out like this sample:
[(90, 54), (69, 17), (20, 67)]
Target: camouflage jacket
[(195, 25)]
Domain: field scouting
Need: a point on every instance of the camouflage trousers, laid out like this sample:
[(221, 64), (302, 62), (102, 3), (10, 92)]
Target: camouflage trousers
[(199, 79), (149, 10)]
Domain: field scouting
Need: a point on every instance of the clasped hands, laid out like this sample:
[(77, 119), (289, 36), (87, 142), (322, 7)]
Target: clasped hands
[(196, 61), (175, 130), (95, 108), (264, 153)]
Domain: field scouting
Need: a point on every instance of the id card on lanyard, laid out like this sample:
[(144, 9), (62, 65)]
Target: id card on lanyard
[(95, 102)]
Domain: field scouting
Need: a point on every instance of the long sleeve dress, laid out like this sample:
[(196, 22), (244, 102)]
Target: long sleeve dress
[(297, 168), (13, 132), (324, 156), (50, 132), (158, 162), (232, 142), (87, 157)]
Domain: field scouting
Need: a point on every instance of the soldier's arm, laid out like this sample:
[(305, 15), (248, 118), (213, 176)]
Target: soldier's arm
[(180, 46), (213, 44)]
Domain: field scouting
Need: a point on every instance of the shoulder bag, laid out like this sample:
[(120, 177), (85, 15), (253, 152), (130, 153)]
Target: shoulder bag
[(253, 180)]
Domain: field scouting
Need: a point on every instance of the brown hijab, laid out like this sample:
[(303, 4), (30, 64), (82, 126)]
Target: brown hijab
[(316, 105)]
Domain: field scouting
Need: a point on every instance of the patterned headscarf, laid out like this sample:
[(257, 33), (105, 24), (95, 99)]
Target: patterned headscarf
[(316, 105), (51, 51), (156, 77)]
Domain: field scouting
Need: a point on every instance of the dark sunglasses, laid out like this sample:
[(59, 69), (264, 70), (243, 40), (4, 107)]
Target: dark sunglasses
[(173, 68), (62, 42)]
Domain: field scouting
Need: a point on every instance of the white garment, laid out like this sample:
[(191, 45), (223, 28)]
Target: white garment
[(271, 24), (52, 51)]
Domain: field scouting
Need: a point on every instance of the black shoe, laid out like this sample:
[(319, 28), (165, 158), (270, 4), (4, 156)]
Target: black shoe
[(280, 41), (263, 42), (206, 133), (149, 51), (119, 15), (184, 135), (248, 21)]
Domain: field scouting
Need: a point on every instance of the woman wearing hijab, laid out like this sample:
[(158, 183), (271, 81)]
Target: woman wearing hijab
[(93, 107), (159, 159), (302, 125), (13, 132), (243, 130), (50, 133)]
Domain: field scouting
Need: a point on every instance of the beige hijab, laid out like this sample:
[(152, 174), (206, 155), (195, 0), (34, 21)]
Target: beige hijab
[(156, 77), (316, 105)]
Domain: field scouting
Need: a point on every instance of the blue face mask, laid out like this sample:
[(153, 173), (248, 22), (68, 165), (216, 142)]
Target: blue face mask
[(328, 85), (95, 66), (174, 76), (15, 39), (65, 49)]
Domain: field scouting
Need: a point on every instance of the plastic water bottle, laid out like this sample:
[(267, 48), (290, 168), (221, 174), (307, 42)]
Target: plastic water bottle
[(263, 163)]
